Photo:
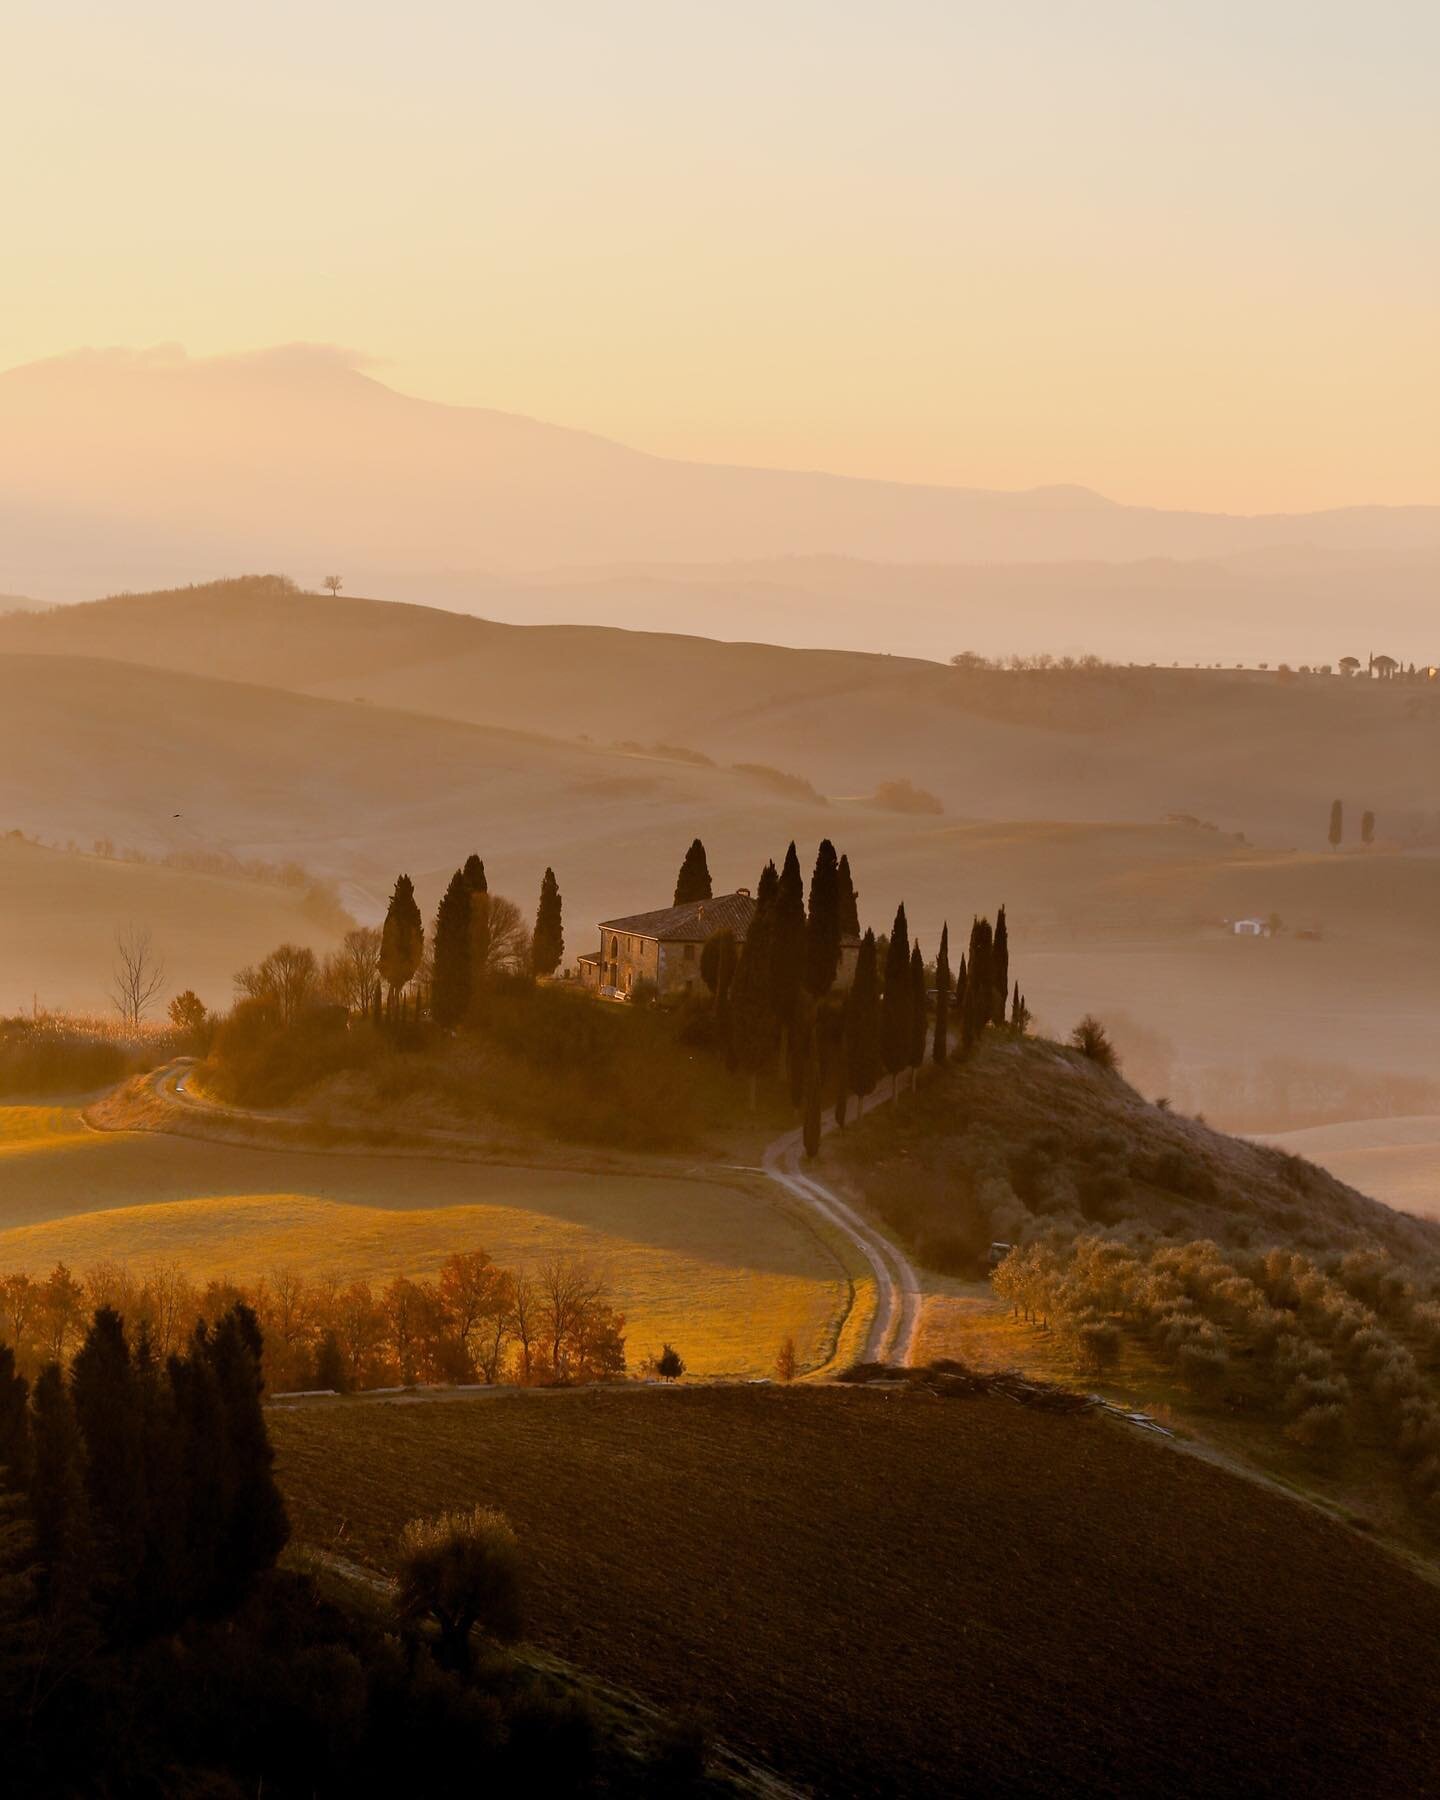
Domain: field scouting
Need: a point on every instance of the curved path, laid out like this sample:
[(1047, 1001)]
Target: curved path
[(897, 1287)]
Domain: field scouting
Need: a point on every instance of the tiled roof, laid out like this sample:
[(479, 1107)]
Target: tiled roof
[(692, 923), (696, 921)]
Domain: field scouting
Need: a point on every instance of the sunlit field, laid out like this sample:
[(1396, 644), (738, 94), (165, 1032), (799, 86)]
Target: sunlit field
[(717, 1267)]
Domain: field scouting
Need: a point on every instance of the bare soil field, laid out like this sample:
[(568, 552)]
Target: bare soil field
[(939, 1595)]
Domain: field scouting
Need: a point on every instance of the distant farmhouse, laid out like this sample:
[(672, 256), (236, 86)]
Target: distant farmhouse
[(663, 948)]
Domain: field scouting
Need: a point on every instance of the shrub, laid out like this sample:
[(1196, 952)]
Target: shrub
[(1322, 1429), (1204, 1366), (669, 1364), (785, 1361), (461, 1569), (1092, 1040), (680, 1751)]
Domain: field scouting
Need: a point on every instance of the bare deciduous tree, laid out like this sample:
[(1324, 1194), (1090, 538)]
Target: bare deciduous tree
[(286, 978), (138, 974), (352, 973), (332, 584)]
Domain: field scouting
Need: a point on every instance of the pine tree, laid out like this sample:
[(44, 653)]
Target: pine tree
[(474, 873), (788, 961), (822, 927), (402, 938), (862, 1023), (693, 881), (941, 1050), (849, 900), (1337, 824), (450, 982), (919, 1014), (896, 1004), (548, 944), (1000, 968), (811, 1129), (14, 1424)]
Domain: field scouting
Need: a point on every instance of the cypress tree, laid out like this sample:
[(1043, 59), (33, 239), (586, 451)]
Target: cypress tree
[(208, 1487), (849, 900), (163, 1589), (810, 1131), (450, 984), (1337, 824), (752, 1013), (1367, 827), (474, 873), (257, 1527), (693, 881), (896, 1005), (979, 989), (402, 938), (919, 1012), (941, 1050), (962, 989), (57, 1496), (14, 1424), (822, 928), (548, 945), (717, 962), (106, 1396), (1000, 967), (788, 964), (862, 1023)]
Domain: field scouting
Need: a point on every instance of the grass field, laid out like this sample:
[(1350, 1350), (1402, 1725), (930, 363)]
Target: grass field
[(936, 1596), (718, 1267)]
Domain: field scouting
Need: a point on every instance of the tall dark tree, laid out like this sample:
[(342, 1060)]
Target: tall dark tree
[(896, 1005), (810, 1129), (1367, 827), (14, 1423), (1337, 824), (693, 881), (474, 873), (862, 1023), (402, 938), (57, 1496), (548, 944), (752, 1012), (257, 1527), (979, 983), (450, 983), (163, 1598), (822, 926), (207, 1494), (788, 958), (919, 1012), (962, 989), (717, 961), (1000, 967), (1019, 1012), (941, 1050), (849, 900), (106, 1394)]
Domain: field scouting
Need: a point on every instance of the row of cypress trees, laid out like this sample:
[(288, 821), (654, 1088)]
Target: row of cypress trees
[(148, 1488)]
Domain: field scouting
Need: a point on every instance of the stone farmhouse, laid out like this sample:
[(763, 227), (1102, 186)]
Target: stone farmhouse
[(663, 948)]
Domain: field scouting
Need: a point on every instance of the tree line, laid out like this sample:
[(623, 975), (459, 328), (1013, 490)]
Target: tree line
[(475, 1321)]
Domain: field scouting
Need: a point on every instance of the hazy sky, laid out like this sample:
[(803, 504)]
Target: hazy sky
[(1186, 251)]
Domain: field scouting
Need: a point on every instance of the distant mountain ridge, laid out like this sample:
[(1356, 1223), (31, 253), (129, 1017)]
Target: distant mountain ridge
[(132, 470)]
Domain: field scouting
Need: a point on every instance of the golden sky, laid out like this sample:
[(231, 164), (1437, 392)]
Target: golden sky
[(1186, 253)]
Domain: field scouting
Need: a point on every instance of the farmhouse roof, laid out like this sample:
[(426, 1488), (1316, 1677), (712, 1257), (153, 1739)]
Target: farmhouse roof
[(692, 923)]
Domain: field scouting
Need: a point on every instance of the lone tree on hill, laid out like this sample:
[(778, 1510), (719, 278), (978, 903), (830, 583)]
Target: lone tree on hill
[(862, 1024), (548, 944), (693, 881), (941, 1051), (669, 1364), (138, 974), (402, 938), (1367, 828), (461, 1570), (1000, 968), (332, 584), (896, 1005), (450, 984), (919, 1013), (823, 928), (474, 873), (1337, 824), (849, 900)]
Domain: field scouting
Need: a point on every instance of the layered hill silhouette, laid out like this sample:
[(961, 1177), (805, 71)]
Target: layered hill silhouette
[(121, 469)]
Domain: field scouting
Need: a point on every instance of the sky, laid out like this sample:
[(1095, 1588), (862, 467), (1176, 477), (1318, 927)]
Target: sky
[(1185, 253)]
